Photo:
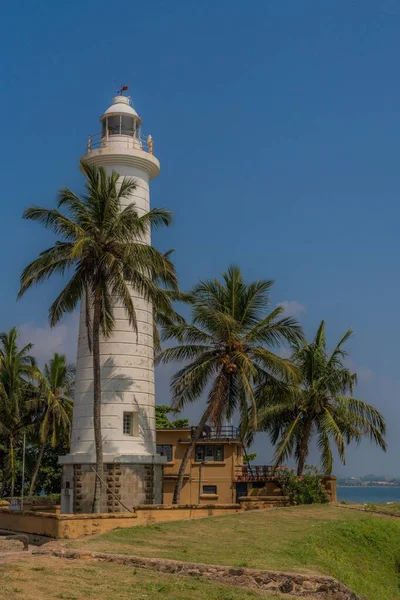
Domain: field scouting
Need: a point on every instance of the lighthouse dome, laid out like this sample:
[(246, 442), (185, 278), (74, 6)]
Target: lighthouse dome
[(121, 106)]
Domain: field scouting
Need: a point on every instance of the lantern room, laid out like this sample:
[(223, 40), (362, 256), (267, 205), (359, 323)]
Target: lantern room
[(119, 122)]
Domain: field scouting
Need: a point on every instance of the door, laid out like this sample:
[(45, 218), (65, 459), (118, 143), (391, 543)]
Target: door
[(241, 490)]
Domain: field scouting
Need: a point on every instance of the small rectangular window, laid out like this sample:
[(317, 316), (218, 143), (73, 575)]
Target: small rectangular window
[(165, 450), (209, 453), (219, 453), (199, 453), (209, 489), (128, 423)]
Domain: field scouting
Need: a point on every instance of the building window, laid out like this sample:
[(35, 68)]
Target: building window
[(127, 427), (209, 453), (165, 450), (210, 489)]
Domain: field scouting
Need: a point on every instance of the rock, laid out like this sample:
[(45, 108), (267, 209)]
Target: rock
[(286, 587), (236, 572), (262, 580), (193, 572)]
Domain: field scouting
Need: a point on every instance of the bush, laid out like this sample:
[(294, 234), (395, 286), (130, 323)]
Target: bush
[(45, 500), (306, 489)]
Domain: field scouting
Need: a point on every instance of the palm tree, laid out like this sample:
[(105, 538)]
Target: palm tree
[(53, 406), (318, 405), (17, 372), (226, 350), (103, 244)]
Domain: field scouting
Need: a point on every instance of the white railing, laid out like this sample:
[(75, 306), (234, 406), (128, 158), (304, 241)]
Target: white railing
[(98, 140)]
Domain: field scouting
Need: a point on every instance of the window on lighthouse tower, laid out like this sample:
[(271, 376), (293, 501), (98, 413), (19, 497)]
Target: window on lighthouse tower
[(120, 125), (114, 125), (129, 423), (127, 125)]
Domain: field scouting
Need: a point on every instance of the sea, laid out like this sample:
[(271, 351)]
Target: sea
[(364, 495)]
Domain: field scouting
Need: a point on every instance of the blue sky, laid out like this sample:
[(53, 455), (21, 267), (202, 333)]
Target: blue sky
[(277, 128)]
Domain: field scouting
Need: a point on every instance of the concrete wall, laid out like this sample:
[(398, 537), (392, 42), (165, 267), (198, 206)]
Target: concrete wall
[(74, 526), (221, 474)]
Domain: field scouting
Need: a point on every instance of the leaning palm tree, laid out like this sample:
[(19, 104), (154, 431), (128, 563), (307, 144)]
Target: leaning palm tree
[(18, 370), (103, 243), (53, 407), (319, 405), (226, 348)]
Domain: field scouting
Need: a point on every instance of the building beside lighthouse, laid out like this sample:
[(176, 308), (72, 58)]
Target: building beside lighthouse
[(132, 469)]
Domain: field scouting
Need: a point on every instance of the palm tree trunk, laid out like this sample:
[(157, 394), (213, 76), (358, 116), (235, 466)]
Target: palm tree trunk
[(97, 402), (12, 466), (303, 452), (36, 469), (188, 453)]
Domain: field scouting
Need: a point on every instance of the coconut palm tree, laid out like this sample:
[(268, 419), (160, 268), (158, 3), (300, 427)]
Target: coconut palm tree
[(321, 405), (53, 407), (102, 243), (18, 370), (226, 348)]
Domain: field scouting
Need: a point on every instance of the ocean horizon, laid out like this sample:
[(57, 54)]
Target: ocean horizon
[(370, 494)]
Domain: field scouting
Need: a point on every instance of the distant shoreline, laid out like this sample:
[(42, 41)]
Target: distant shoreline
[(370, 487)]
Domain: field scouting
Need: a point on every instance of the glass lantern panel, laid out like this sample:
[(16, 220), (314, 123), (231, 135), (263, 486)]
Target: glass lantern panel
[(114, 125), (127, 125)]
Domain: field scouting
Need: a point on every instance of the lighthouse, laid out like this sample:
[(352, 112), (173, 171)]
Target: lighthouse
[(132, 469)]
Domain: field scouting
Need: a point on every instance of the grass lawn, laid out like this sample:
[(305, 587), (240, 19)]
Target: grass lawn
[(389, 509), (361, 550), (55, 579)]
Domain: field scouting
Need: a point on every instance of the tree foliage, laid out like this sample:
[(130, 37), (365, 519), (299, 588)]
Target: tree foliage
[(227, 348), (321, 404), (162, 421), (101, 246)]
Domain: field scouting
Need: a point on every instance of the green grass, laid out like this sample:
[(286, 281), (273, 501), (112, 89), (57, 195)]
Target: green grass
[(362, 550), (389, 509), (35, 578)]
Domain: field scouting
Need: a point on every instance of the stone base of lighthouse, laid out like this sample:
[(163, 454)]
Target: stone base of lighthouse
[(126, 484)]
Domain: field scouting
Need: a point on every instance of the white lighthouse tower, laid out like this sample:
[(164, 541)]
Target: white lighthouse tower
[(132, 469)]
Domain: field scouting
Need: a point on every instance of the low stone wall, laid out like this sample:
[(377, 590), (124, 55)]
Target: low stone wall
[(319, 587), (263, 502), (160, 513), (79, 525)]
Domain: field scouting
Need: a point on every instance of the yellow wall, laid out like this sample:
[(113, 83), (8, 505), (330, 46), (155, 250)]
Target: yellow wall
[(220, 474), (74, 526)]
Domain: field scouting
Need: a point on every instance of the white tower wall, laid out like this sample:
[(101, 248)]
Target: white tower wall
[(132, 468), (127, 367)]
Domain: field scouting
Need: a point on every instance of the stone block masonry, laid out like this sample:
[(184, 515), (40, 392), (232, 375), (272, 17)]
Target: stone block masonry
[(126, 485)]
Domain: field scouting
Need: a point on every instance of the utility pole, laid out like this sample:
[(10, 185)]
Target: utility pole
[(203, 462)]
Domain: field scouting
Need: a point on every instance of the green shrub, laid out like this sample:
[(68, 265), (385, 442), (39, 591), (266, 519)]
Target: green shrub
[(306, 489), (50, 499)]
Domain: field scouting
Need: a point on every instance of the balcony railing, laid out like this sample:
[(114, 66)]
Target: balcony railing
[(254, 472), (120, 140), (226, 433)]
